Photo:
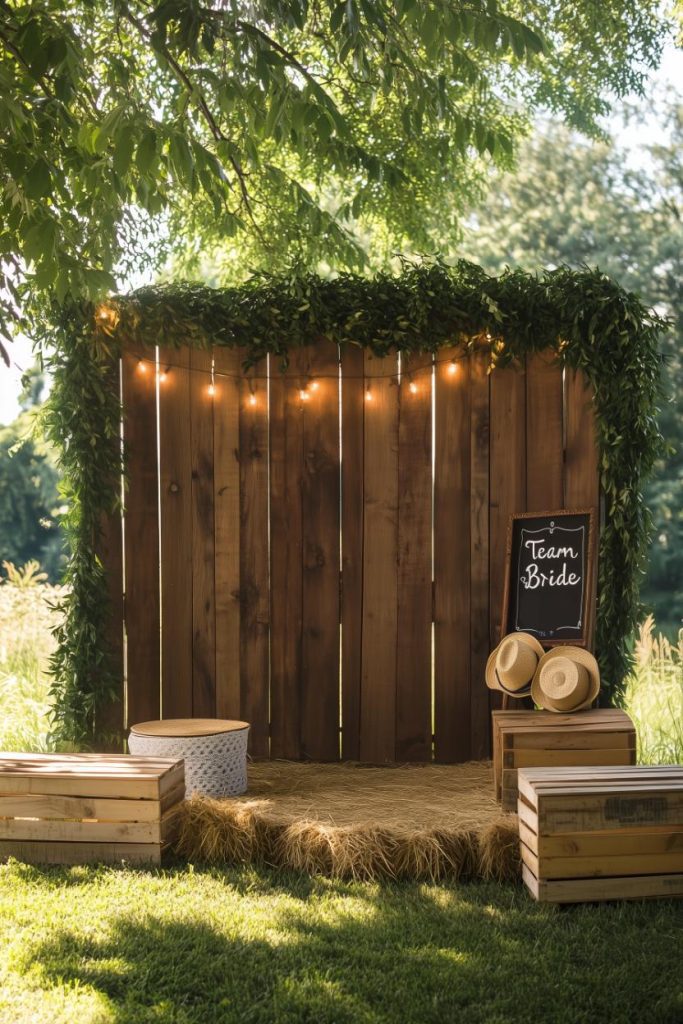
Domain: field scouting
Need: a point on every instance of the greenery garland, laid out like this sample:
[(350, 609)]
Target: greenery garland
[(586, 318)]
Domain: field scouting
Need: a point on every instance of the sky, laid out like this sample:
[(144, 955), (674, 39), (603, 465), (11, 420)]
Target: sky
[(635, 139)]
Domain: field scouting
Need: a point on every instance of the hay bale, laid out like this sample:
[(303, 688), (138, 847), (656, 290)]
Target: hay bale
[(425, 822)]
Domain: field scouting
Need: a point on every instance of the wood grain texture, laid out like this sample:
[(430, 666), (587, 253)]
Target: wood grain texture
[(226, 497), (581, 477), (508, 477), (414, 585), (203, 550), (110, 719), (254, 561), (320, 550), (581, 467), (544, 433), (352, 505), (142, 602), (452, 555), (176, 534), (32, 852), (286, 564), (380, 550), (479, 555)]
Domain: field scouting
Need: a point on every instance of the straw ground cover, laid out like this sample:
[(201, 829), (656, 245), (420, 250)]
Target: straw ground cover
[(184, 946)]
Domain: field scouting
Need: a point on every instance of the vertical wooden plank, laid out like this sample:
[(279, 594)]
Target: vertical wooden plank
[(581, 467), (544, 433), (141, 539), (581, 470), (203, 601), (414, 586), (452, 554), (380, 505), (226, 497), (508, 477), (479, 555), (286, 537), (175, 467), (320, 591), (254, 571), (353, 418), (109, 718)]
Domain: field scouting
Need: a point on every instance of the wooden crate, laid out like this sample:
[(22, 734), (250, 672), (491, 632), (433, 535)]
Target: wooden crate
[(82, 808), (530, 739), (601, 833)]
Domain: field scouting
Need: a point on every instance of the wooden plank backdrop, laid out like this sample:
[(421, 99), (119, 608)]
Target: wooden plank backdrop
[(321, 551)]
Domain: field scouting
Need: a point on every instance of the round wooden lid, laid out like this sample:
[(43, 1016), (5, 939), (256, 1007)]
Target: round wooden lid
[(187, 727)]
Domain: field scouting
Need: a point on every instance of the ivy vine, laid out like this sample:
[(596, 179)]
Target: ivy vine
[(585, 317)]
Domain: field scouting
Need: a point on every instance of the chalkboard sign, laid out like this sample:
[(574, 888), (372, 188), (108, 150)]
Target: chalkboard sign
[(549, 576)]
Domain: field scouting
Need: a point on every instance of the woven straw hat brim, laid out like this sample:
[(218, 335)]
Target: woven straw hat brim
[(577, 654), (492, 680)]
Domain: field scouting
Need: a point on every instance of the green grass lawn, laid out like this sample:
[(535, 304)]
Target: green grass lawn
[(101, 945)]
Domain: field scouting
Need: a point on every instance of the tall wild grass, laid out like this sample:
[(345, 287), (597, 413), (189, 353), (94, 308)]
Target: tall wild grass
[(26, 623), (654, 696)]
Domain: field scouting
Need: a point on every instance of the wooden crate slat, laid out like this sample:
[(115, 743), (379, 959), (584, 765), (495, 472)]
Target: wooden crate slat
[(80, 853), (587, 890), (226, 498), (414, 586), (286, 564), (203, 550), (452, 554), (380, 546), (610, 866), (254, 561), (52, 830), (39, 805), (479, 554), (320, 552), (142, 538), (602, 844), (176, 523), (619, 755), (352, 506), (544, 433)]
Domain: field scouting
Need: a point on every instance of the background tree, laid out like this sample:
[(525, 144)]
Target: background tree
[(133, 128), (29, 499), (569, 202)]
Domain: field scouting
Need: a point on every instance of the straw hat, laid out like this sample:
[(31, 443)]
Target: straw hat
[(567, 679), (511, 666)]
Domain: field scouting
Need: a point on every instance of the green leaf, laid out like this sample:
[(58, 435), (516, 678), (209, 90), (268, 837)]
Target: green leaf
[(146, 153), (38, 181), (123, 151), (181, 159)]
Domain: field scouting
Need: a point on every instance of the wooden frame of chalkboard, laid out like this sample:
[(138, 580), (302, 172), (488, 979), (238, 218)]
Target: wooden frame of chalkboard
[(567, 573)]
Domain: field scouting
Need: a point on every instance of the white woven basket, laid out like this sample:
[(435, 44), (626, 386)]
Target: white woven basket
[(215, 765)]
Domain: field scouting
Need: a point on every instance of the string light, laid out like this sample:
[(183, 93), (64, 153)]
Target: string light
[(164, 374), (142, 366), (368, 393), (452, 368), (413, 387), (304, 394), (212, 386), (314, 385), (252, 399)]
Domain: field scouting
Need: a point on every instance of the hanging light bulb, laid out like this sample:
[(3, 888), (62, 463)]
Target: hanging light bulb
[(452, 368), (252, 399), (368, 393), (304, 394), (314, 385), (164, 374), (413, 387), (142, 366)]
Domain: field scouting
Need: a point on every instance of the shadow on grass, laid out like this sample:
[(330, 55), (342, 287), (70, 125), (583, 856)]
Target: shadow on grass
[(410, 954)]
